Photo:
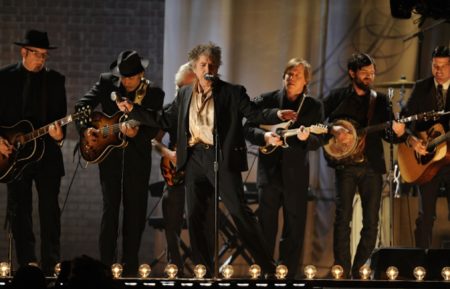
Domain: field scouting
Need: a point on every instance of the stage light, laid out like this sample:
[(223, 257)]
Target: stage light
[(281, 272), (337, 271), (199, 271), (392, 273), (446, 273), (310, 271), (254, 271), (116, 270), (5, 269), (227, 271), (364, 272), (57, 269), (144, 271), (419, 273), (171, 271)]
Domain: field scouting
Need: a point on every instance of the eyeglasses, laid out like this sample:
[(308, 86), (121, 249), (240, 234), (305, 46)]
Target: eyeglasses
[(37, 53)]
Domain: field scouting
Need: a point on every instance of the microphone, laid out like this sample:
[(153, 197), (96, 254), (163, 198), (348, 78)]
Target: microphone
[(210, 77)]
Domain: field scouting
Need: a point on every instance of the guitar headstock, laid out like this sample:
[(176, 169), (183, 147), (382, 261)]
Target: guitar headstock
[(83, 114), (318, 129)]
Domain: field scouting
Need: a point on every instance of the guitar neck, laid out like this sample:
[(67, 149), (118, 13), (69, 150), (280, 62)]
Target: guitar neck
[(436, 141), (44, 130), (115, 128)]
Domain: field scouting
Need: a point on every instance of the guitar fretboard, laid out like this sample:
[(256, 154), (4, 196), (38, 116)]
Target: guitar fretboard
[(44, 130), (115, 128)]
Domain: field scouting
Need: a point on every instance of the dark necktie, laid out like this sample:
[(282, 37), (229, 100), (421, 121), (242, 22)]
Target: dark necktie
[(440, 97)]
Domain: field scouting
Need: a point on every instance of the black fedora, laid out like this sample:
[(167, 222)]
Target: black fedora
[(37, 39), (128, 63)]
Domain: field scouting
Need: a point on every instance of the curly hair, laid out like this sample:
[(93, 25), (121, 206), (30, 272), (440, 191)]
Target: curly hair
[(210, 49)]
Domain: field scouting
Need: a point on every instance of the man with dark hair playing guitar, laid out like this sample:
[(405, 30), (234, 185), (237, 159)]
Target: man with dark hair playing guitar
[(424, 158)]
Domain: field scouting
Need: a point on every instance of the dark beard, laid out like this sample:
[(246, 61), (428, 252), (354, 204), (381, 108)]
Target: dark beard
[(361, 85)]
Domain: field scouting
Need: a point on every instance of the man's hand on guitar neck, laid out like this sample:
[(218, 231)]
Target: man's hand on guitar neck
[(303, 133), (5, 147), (56, 132), (128, 130)]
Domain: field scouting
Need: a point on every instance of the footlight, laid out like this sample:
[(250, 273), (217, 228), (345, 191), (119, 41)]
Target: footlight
[(310, 271), (171, 271), (254, 271), (144, 271), (392, 273), (199, 271), (57, 269), (364, 272), (281, 272), (5, 269), (419, 273), (445, 272), (227, 271), (337, 271), (116, 270)]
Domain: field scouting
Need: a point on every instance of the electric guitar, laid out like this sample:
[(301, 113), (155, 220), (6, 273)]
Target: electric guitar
[(28, 146), (171, 176), (418, 169), (284, 133), (109, 136)]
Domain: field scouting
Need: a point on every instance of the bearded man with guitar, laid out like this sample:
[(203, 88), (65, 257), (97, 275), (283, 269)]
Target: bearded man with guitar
[(35, 95), (362, 171), (122, 149), (425, 156)]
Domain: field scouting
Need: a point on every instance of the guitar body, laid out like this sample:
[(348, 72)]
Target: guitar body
[(24, 152), (419, 169), (108, 138), (169, 172)]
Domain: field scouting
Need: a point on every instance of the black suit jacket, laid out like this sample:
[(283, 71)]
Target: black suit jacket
[(295, 156), (138, 150), (52, 100), (423, 99), (231, 105)]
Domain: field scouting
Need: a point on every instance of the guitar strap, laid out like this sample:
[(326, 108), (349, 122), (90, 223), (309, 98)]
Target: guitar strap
[(141, 91)]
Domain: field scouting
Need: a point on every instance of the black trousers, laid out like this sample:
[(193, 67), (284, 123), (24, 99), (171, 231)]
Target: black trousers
[(173, 211), (293, 199), (428, 194), (20, 209), (349, 180), (133, 195), (200, 210)]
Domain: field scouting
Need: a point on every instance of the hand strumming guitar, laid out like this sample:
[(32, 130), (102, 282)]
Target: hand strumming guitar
[(128, 130), (5, 147)]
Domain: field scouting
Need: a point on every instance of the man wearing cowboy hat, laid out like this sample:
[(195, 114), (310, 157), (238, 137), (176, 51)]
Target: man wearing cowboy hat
[(32, 92), (125, 172)]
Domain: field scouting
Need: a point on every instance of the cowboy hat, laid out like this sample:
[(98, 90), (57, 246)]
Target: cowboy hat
[(37, 39), (128, 63)]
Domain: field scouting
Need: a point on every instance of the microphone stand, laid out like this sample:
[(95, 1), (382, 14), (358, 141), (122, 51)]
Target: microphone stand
[(391, 168), (216, 191)]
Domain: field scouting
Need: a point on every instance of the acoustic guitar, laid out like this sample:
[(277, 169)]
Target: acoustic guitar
[(28, 145), (109, 136), (171, 176), (418, 169)]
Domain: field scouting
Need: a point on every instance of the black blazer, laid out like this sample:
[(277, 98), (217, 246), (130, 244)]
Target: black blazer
[(139, 149), (423, 99), (231, 105), (52, 101), (295, 156)]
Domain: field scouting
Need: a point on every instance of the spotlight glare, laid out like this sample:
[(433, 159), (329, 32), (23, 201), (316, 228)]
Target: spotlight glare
[(337, 271), (310, 271), (392, 273)]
